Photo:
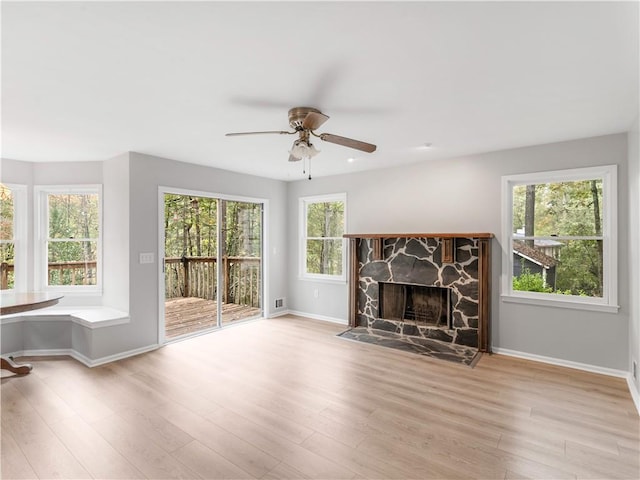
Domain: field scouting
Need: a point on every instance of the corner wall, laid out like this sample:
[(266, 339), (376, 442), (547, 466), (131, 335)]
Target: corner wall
[(634, 257), (463, 195)]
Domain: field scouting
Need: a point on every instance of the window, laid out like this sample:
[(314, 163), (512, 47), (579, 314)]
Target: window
[(559, 238), (70, 237), (12, 235), (322, 249)]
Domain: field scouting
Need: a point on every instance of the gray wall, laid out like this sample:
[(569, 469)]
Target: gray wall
[(115, 232), (634, 255), (463, 195)]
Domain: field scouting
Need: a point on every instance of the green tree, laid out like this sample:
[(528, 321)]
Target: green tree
[(7, 244)]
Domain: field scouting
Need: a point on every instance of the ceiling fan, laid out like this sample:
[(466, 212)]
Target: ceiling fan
[(304, 121)]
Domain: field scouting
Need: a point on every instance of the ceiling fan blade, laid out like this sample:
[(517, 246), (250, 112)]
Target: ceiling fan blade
[(236, 134), (313, 120), (348, 142)]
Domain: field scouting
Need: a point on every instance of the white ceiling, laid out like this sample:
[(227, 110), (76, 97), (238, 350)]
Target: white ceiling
[(88, 81)]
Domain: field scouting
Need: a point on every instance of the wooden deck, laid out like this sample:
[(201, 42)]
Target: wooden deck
[(187, 315)]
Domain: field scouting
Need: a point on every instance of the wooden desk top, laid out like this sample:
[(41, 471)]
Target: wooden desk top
[(23, 302)]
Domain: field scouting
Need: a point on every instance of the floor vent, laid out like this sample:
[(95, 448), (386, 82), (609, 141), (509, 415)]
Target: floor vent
[(279, 302)]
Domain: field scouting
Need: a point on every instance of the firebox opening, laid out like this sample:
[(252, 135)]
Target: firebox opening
[(415, 304)]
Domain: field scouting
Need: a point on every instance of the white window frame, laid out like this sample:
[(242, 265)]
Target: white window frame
[(609, 300), (304, 202), (41, 193), (20, 220)]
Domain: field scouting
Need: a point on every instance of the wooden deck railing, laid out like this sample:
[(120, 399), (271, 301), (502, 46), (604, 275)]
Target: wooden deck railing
[(183, 277), (6, 275), (196, 277), (60, 273)]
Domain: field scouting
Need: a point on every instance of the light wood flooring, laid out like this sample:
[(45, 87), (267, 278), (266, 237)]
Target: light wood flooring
[(187, 315), (286, 398)]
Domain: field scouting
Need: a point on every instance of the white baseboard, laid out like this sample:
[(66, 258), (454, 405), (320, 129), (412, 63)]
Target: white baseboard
[(80, 357), (313, 316), (279, 313), (634, 393), (562, 363), (121, 355)]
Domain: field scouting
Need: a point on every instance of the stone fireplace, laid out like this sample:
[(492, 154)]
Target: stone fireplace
[(434, 286)]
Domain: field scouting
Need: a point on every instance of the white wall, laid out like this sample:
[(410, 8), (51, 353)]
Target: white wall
[(463, 195), (634, 254)]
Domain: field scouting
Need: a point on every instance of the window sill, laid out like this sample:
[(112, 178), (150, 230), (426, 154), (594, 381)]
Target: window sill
[(548, 302), (319, 279)]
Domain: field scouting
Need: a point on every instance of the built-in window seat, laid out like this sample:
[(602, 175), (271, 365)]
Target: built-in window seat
[(88, 316), (58, 330)]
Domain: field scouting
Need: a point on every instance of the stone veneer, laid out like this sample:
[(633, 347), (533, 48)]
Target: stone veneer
[(418, 261)]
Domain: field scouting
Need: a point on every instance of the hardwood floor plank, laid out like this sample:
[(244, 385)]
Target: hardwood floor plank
[(236, 450), (187, 397), (158, 429), (617, 466), (88, 406), (46, 454), (43, 399), (362, 464), (208, 463), (282, 471), (307, 462), (141, 451), (286, 398), (94, 453), (13, 463)]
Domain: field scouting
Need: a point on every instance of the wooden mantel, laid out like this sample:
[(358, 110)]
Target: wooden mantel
[(448, 256), (418, 235)]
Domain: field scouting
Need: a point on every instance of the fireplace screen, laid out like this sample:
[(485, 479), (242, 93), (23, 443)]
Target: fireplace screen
[(415, 304)]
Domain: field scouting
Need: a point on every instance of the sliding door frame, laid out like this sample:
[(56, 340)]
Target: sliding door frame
[(264, 274)]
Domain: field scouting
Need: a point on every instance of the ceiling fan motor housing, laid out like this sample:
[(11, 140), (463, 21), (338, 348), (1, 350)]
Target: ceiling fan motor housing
[(298, 114)]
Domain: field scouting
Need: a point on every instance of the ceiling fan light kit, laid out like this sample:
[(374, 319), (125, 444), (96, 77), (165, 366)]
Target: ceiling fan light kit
[(304, 121), (302, 149)]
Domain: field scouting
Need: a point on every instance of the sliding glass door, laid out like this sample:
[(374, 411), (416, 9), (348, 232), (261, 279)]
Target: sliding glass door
[(212, 263)]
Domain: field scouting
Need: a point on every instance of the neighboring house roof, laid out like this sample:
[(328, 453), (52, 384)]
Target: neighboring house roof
[(539, 242), (533, 255)]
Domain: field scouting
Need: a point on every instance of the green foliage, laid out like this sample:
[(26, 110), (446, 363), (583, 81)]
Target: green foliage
[(191, 226), (7, 245), (530, 282), (580, 270), (325, 227), (563, 208)]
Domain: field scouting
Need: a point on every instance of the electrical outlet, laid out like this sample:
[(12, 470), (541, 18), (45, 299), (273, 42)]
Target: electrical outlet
[(316, 293), (146, 257)]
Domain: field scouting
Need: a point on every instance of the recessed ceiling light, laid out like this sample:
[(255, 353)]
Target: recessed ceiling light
[(351, 159)]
